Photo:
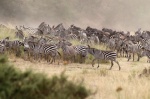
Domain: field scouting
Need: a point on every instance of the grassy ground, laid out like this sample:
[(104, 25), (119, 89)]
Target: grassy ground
[(109, 84)]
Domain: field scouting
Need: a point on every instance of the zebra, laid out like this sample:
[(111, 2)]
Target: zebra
[(3, 41), (42, 40), (46, 50), (50, 50), (19, 33), (2, 48), (101, 54), (28, 30), (83, 36), (71, 37), (111, 44), (145, 41), (94, 39), (81, 50), (105, 39), (15, 46), (134, 48), (119, 46), (146, 53), (67, 49), (29, 47)]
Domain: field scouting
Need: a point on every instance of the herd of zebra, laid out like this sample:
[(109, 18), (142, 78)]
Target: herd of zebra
[(44, 42)]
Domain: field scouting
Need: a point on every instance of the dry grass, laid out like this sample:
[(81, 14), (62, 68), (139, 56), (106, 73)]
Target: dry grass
[(5, 32), (109, 84)]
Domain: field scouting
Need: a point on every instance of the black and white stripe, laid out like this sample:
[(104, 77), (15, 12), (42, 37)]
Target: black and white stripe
[(49, 50), (103, 55), (71, 37), (81, 50), (147, 54), (2, 48), (45, 50), (68, 51), (134, 49)]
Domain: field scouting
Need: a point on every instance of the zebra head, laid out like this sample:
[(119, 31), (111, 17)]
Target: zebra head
[(19, 33), (91, 50)]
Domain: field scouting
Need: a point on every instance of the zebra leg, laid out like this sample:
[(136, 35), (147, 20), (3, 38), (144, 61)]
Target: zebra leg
[(28, 55), (98, 63), (133, 56), (54, 57), (72, 59), (138, 57), (59, 55), (126, 53), (111, 65), (129, 56), (117, 53), (93, 62), (34, 56), (52, 60), (148, 60), (48, 58), (81, 59), (123, 53), (120, 52), (39, 57), (118, 64)]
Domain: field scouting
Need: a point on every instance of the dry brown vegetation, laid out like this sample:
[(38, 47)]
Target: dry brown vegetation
[(109, 84), (116, 14)]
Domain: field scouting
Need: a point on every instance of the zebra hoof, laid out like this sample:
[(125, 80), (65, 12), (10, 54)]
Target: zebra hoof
[(92, 65), (119, 69)]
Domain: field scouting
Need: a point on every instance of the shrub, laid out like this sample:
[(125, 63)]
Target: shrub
[(15, 84)]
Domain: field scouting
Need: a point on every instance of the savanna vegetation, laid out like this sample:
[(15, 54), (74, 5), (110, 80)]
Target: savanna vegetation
[(106, 84)]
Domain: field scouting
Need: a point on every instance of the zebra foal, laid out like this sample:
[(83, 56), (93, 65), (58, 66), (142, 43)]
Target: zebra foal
[(103, 55)]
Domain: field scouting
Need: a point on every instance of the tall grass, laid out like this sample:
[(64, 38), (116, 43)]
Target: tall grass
[(7, 32)]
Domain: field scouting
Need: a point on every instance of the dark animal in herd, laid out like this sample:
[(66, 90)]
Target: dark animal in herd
[(45, 42)]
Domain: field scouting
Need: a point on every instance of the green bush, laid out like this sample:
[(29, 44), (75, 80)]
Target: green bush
[(15, 84)]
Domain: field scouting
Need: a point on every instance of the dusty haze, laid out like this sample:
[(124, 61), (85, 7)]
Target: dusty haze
[(116, 14)]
